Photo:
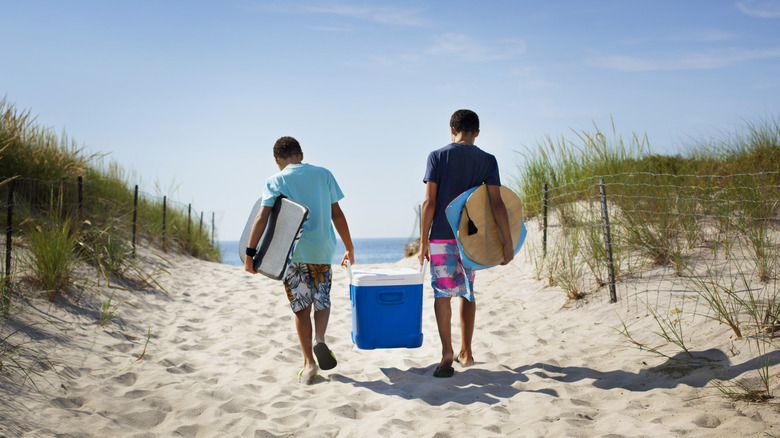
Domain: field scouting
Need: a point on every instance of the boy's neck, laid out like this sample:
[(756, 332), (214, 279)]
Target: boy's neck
[(284, 162), (465, 138)]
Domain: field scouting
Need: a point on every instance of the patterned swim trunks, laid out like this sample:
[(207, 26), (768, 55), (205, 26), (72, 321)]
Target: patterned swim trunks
[(307, 283), (448, 276)]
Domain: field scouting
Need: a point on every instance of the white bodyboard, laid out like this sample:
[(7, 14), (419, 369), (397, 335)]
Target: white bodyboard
[(275, 248)]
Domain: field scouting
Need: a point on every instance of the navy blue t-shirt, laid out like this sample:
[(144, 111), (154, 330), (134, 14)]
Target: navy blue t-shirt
[(456, 168)]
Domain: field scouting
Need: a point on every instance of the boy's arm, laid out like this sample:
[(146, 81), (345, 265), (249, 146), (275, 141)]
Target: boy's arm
[(502, 220), (340, 223), (426, 219), (261, 220)]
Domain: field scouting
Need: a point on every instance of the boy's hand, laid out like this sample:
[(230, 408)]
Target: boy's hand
[(249, 265), (425, 253), (509, 254), (349, 256)]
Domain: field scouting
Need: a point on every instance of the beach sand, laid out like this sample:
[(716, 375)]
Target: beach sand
[(223, 356)]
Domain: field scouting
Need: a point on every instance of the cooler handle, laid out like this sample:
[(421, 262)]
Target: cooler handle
[(349, 271), (390, 298), (422, 270)]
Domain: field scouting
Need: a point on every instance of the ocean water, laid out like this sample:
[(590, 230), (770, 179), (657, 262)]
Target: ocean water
[(367, 251)]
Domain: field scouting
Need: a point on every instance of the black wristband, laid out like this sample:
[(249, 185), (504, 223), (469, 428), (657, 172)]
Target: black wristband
[(251, 252)]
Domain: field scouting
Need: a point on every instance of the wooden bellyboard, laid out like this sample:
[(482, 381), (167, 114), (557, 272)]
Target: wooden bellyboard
[(479, 241), (275, 248)]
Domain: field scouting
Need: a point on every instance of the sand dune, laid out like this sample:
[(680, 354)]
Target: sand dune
[(223, 357)]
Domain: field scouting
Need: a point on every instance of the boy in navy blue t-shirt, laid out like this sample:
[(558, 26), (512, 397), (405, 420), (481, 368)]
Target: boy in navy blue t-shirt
[(451, 171)]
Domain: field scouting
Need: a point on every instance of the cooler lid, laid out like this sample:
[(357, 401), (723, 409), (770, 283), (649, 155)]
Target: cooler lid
[(384, 277)]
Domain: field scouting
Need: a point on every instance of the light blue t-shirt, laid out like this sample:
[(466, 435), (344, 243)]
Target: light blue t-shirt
[(316, 188)]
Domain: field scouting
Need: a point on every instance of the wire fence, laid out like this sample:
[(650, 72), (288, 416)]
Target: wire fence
[(133, 215), (658, 242)]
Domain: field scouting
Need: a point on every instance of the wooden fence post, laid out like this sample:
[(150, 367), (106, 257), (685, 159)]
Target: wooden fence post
[(9, 228), (165, 199), (607, 241), (189, 220), (544, 220), (135, 216), (81, 198), (212, 229)]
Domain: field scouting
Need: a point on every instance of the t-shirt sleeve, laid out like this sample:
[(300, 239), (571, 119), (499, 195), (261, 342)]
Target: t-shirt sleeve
[(431, 169), (493, 178), (270, 192), (334, 190)]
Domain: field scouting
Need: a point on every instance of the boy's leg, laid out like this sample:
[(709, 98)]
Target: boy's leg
[(441, 306), (298, 284), (320, 324), (448, 279), (304, 329), (468, 311), (322, 276)]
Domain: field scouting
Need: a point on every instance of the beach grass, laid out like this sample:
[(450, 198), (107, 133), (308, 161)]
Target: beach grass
[(106, 251), (48, 165), (661, 203), (46, 169), (108, 311), (21, 359), (51, 261), (667, 213), (72, 207)]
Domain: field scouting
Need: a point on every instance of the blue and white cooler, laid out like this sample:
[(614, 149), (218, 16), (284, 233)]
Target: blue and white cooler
[(386, 307)]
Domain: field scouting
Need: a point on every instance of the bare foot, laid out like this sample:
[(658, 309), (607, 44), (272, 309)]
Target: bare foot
[(446, 360), (465, 360), (307, 374)]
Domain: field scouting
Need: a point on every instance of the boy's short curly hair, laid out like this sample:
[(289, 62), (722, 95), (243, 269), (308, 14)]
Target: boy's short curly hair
[(464, 121), (287, 147)]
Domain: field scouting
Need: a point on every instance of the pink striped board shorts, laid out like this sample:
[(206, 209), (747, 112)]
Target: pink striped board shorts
[(448, 276)]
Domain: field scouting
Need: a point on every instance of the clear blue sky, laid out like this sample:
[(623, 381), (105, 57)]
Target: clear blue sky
[(191, 95)]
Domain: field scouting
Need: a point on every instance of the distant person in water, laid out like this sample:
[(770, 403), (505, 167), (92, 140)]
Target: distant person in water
[(308, 278), (451, 171)]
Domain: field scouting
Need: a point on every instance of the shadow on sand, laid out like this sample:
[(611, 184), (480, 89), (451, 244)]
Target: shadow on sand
[(467, 386), (473, 385)]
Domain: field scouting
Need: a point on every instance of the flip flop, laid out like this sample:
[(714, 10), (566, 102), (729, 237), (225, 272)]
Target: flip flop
[(325, 358), (309, 380), (444, 371)]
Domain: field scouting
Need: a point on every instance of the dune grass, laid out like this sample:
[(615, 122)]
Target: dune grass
[(46, 166), (715, 205), (108, 311), (21, 359), (660, 201), (54, 233), (51, 260)]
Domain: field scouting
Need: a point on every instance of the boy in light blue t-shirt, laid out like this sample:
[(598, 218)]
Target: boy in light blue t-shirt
[(308, 278)]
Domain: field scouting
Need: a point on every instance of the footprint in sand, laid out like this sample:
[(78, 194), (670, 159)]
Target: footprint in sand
[(68, 403), (144, 420), (127, 379), (157, 402), (137, 393), (255, 414), (124, 347), (233, 406), (181, 369), (346, 411)]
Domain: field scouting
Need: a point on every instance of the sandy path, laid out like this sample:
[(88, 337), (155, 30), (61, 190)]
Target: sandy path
[(223, 358)]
